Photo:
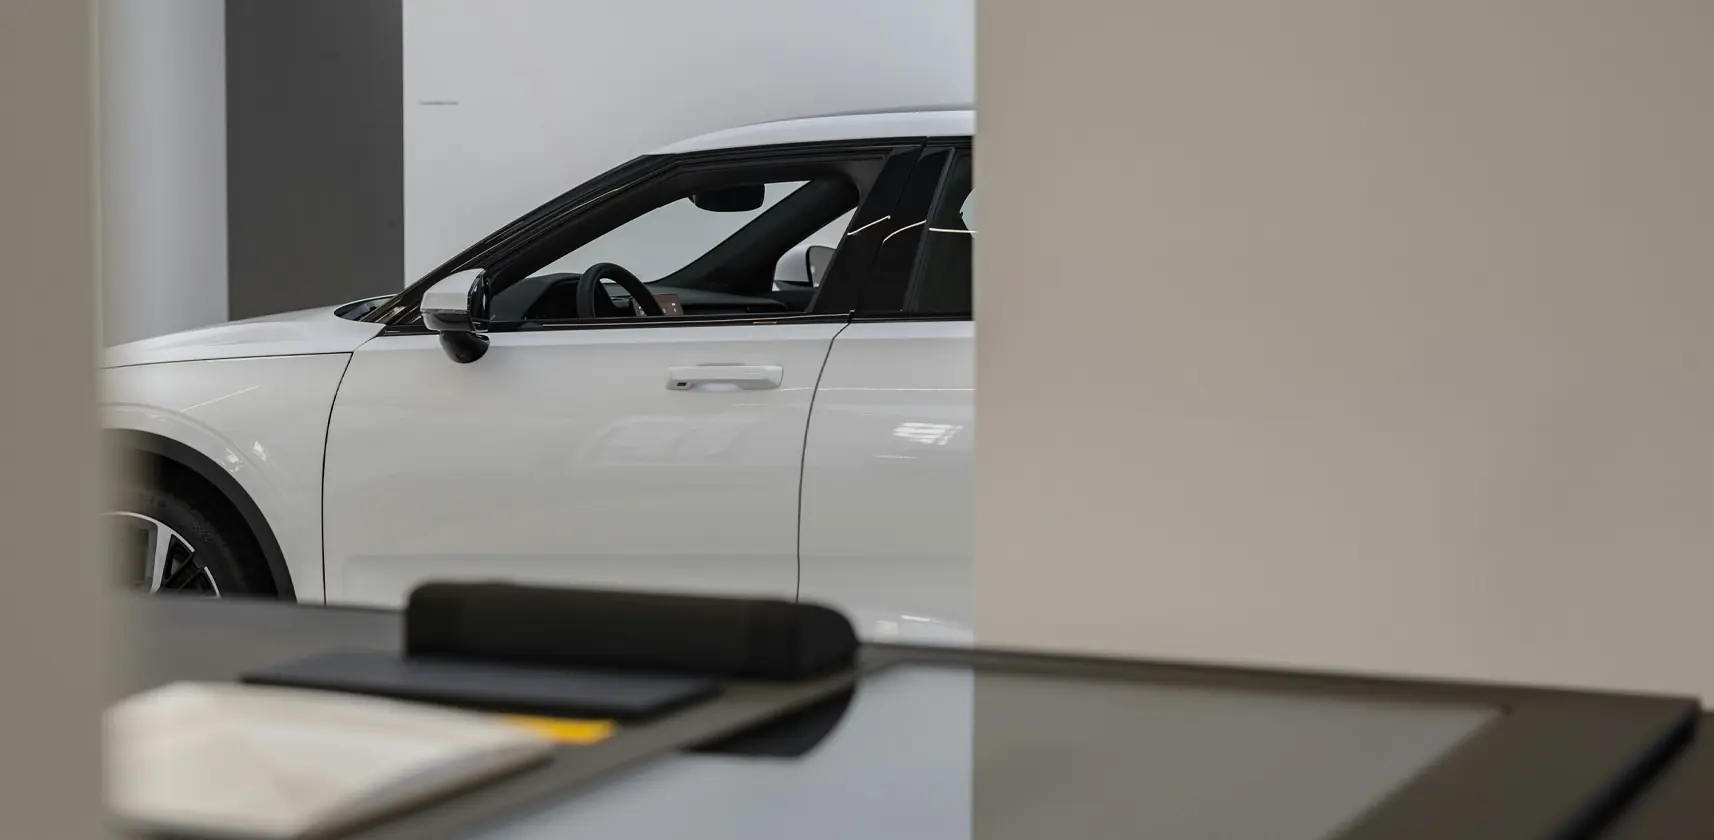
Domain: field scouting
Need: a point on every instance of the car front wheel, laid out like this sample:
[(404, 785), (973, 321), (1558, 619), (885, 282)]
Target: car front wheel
[(173, 542)]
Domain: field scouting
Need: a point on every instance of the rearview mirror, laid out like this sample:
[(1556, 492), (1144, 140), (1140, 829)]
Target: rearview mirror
[(453, 307), (731, 199), (816, 260)]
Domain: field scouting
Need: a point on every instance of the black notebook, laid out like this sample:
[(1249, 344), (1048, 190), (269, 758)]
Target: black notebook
[(491, 687)]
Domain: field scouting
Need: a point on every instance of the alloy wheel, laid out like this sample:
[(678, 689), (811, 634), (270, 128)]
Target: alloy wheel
[(157, 558)]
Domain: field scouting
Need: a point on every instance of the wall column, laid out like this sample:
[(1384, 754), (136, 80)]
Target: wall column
[(56, 611), (1358, 335)]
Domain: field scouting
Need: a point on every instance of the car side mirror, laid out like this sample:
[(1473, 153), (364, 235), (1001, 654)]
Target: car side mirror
[(816, 260), (453, 307)]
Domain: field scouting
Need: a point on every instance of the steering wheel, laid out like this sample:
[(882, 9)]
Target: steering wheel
[(589, 289)]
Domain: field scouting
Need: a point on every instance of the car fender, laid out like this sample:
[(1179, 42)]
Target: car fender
[(259, 422)]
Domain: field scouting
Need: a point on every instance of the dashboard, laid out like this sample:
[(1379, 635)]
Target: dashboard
[(553, 297)]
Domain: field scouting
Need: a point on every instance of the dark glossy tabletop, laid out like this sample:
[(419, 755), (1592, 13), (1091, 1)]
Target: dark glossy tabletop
[(933, 749), (1677, 803), (216, 640), (940, 752)]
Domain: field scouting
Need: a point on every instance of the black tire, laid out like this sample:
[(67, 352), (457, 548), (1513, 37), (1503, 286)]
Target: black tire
[(221, 543)]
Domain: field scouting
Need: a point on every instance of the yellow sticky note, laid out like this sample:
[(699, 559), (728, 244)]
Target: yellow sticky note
[(566, 730)]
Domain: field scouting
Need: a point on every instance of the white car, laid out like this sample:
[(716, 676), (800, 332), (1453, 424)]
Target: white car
[(741, 364)]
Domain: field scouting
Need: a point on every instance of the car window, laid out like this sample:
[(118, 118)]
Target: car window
[(793, 268), (832, 233), (701, 245), (667, 238), (941, 284)]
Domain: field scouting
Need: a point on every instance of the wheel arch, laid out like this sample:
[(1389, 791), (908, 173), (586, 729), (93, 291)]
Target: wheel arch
[(132, 443)]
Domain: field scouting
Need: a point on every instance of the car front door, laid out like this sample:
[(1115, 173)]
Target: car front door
[(605, 447), (887, 496)]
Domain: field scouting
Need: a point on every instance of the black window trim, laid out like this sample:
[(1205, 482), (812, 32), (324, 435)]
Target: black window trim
[(641, 323), (400, 316), (910, 317)]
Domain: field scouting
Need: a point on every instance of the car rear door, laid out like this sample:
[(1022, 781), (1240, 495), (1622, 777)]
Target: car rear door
[(887, 495)]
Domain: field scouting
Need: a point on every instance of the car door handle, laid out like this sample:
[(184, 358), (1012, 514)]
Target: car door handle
[(733, 377)]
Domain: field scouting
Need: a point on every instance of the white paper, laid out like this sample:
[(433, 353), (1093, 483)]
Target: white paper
[(264, 762)]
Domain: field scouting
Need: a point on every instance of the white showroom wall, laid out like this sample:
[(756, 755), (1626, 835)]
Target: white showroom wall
[(1394, 353), (163, 164), (511, 102)]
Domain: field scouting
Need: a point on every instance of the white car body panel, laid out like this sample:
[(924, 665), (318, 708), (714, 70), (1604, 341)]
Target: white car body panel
[(887, 507), (309, 332), (947, 123), (263, 420), (564, 457)]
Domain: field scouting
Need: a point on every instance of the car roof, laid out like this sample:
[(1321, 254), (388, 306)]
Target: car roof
[(949, 121)]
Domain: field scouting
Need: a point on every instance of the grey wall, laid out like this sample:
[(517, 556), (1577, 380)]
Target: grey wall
[(315, 134), (55, 639), (1399, 358)]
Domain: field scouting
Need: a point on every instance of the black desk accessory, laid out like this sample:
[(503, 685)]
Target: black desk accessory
[(793, 735), (578, 652), (754, 638), (492, 687)]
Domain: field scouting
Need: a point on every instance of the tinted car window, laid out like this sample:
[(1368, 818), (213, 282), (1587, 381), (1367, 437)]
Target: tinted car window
[(942, 281)]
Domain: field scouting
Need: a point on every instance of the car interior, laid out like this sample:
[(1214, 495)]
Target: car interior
[(738, 275), (944, 278)]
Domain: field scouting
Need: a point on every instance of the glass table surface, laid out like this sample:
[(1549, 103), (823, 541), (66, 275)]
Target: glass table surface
[(941, 752)]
